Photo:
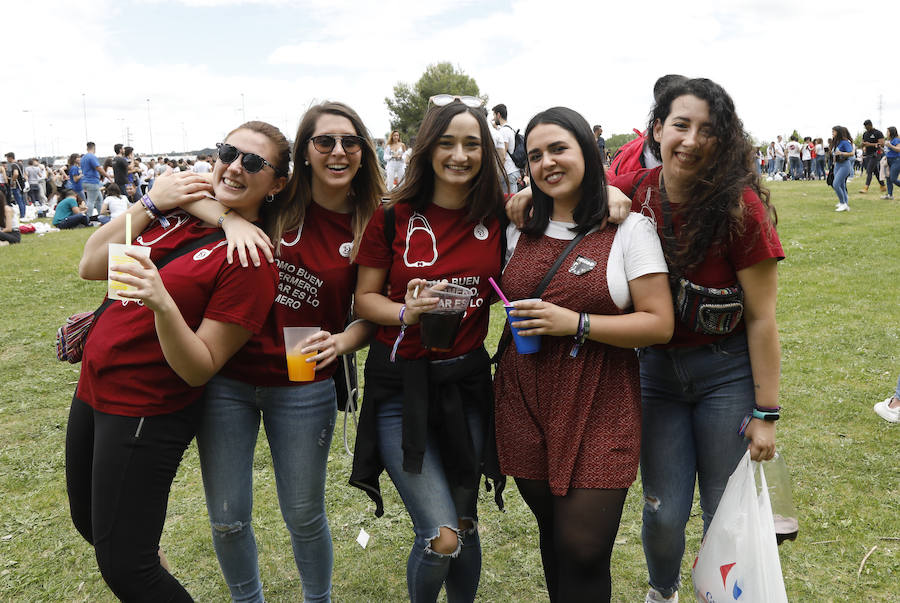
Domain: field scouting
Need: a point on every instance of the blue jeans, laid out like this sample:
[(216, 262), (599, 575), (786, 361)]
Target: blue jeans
[(770, 166), (299, 422), (93, 198), (796, 168), (893, 174), (897, 391), (820, 167), (427, 498), (693, 400), (779, 164), (841, 173), (20, 200)]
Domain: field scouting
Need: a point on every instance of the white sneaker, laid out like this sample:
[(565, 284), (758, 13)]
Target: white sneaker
[(884, 410), (653, 596), (843, 207)]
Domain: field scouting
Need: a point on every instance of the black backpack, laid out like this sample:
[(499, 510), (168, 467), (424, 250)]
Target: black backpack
[(517, 153)]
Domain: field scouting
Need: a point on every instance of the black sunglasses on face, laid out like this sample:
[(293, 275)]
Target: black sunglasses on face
[(251, 162), (324, 143)]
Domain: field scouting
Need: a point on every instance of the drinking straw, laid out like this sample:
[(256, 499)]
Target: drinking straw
[(127, 229), (499, 292)]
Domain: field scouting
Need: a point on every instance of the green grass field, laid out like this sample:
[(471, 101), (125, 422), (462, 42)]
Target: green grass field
[(840, 332)]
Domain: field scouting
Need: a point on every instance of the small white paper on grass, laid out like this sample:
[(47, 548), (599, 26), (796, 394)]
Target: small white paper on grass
[(363, 538)]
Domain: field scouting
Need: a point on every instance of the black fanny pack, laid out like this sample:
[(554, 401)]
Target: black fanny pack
[(708, 310)]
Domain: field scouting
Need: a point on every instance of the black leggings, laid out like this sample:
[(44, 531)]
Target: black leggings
[(870, 165), (118, 474), (577, 534), (11, 237)]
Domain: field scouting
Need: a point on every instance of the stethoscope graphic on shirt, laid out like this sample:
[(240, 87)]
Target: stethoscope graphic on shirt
[(417, 222)]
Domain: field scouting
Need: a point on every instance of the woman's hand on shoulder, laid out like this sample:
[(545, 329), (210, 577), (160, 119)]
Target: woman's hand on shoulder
[(518, 207), (247, 238), (544, 318), (619, 205), (173, 190)]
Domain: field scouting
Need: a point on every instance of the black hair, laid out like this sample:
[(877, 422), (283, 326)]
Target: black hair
[(593, 207), (117, 147), (501, 109)]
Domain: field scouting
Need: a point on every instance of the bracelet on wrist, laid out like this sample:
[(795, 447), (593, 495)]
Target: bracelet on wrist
[(148, 204), (584, 324), (400, 335), (222, 217)]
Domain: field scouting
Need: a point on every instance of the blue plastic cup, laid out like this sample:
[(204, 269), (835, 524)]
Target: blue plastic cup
[(524, 344)]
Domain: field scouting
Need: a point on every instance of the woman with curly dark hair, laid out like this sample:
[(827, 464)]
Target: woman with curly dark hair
[(714, 386)]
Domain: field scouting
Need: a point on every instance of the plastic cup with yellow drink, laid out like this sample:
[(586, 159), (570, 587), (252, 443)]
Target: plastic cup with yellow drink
[(298, 367)]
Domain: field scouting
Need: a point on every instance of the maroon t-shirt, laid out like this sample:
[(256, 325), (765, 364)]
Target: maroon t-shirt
[(123, 370), (437, 244), (758, 242), (315, 288)]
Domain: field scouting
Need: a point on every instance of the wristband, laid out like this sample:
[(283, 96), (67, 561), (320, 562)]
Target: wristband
[(584, 325), (767, 415), (400, 335), (767, 408), (148, 204), (744, 425), (222, 217)]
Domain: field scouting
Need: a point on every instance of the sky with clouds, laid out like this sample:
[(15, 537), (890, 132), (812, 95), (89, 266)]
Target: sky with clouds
[(176, 74)]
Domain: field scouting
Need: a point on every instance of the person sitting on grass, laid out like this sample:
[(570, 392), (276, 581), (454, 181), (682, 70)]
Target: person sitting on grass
[(69, 214), (9, 223), (115, 203), (889, 409)]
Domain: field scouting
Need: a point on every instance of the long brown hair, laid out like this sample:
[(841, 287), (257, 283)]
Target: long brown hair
[(417, 188), (366, 189), (713, 213)]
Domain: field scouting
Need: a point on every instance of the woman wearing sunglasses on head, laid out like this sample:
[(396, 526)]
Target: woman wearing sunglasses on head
[(712, 391), (138, 401), (568, 416), (319, 219), (426, 417)]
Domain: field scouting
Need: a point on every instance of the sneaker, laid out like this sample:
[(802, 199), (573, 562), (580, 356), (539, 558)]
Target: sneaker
[(653, 596), (888, 197), (843, 207), (883, 410)]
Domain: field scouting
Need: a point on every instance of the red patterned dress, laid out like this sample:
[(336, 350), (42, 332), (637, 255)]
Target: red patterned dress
[(573, 422)]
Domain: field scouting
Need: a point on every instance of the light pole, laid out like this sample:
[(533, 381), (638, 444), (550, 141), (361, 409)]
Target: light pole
[(33, 131), (121, 121), (84, 112), (150, 126)]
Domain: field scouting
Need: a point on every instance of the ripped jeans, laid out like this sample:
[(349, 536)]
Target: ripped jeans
[(693, 400), (431, 506), (299, 422)]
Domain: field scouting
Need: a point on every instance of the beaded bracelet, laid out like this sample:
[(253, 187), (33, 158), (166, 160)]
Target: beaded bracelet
[(400, 335), (148, 204)]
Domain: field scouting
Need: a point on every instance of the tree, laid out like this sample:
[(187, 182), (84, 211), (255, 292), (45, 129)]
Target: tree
[(407, 108), (617, 140)]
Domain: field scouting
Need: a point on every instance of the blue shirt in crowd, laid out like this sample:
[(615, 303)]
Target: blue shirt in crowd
[(89, 165)]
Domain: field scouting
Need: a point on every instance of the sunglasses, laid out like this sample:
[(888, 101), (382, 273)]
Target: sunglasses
[(440, 100), (324, 143), (251, 162)]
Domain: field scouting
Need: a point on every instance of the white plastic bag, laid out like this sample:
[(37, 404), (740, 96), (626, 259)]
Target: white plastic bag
[(738, 559)]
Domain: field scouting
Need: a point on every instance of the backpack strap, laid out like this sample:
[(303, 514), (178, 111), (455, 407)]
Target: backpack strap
[(390, 226)]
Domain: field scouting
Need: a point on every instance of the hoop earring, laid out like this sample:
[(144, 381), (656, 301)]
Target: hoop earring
[(270, 198)]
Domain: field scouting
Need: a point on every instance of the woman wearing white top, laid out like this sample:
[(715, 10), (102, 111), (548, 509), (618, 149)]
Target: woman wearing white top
[(393, 158), (115, 203)]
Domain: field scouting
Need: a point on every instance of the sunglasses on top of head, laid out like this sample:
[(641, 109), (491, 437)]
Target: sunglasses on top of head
[(325, 143), (251, 162), (440, 100)]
